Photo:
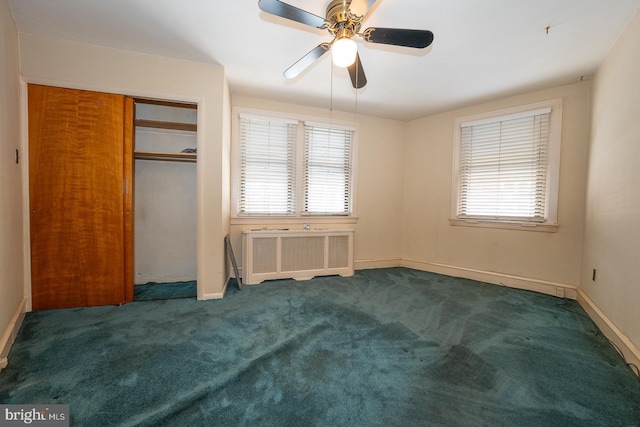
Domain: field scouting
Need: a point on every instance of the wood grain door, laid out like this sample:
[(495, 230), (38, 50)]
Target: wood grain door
[(80, 174)]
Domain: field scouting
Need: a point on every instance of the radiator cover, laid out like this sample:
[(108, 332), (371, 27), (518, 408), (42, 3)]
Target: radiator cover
[(300, 255)]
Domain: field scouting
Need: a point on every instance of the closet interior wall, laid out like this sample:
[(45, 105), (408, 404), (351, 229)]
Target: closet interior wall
[(164, 192)]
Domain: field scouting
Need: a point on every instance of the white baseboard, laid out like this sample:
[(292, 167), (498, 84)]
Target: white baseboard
[(10, 333), (368, 264), (610, 330), (546, 287), (217, 295), (550, 288)]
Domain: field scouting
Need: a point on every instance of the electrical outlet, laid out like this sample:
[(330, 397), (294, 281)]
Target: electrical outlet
[(593, 275), (560, 292)]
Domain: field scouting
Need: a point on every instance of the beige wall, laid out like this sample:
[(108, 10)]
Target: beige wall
[(428, 237), (378, 237), (612, 236), (11, 211), (67, 64)]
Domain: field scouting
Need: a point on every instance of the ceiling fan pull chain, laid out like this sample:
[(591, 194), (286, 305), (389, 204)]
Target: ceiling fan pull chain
[(331, 88), (357, 75)]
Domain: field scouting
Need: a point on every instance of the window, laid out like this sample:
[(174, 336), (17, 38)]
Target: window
[(327, 170), (506, 168), (267, 166), (290, 167)]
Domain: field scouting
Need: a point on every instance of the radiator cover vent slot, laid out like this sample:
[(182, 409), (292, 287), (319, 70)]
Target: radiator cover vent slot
[(264, 255), (302, 253)]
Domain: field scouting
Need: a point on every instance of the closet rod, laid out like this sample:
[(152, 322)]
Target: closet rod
[(166, 125)]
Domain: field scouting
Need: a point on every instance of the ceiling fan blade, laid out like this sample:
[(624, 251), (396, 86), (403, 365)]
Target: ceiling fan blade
[(361, 7), (284, 10), (399, 37), (356, 72), (306, 60)]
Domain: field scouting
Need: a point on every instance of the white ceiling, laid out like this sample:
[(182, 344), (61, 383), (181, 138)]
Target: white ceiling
[(482, 49)]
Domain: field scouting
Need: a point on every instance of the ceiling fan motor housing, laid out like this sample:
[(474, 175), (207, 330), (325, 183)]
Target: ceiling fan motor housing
[(343, 24)]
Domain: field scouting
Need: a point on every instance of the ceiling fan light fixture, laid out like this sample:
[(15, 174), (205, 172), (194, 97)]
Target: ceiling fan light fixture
[(343, 52)]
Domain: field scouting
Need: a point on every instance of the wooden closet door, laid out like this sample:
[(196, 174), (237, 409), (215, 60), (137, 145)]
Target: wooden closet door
[(80, 149)]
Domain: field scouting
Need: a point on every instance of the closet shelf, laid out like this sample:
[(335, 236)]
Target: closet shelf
[(166, 125), (168, 157)]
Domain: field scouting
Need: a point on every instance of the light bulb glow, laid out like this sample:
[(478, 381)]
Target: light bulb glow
[(344, 52)]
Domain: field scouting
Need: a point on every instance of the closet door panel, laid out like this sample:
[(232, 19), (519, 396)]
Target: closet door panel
[(76, 183)]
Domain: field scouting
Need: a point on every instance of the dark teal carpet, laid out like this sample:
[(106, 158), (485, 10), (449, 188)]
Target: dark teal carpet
[(156, 291), (389, 347)]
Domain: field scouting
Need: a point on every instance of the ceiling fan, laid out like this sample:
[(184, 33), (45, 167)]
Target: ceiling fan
[(343, 21)]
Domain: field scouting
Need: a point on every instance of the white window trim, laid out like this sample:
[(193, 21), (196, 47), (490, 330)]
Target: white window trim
[(553, 169), (298, 218)]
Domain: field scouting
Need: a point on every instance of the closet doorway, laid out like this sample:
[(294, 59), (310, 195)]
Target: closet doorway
[(165, 232)]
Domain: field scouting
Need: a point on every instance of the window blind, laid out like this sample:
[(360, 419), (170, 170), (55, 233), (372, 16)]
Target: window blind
[(327, 167), (267, 172), (503, 168)]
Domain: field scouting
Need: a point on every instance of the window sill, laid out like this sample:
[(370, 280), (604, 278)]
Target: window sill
[(279, 220), (541, 227)]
